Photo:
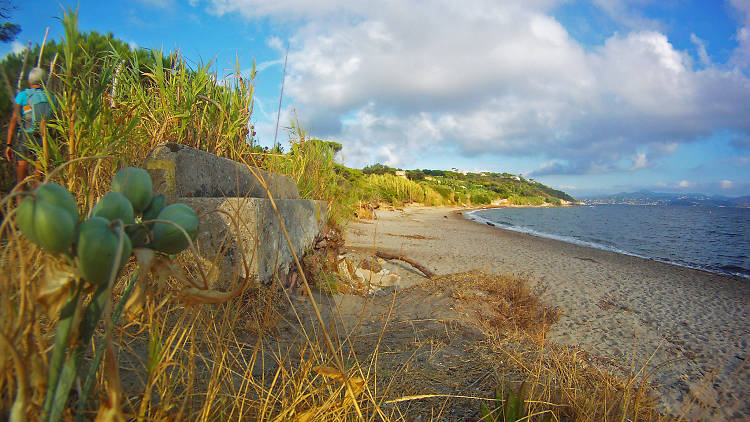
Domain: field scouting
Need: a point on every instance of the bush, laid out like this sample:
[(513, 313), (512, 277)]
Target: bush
[(480, 199), (396, 190), (444, 191)]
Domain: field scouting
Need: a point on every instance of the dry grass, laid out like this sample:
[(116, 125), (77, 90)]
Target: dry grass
[(262, 356), (504, 304), (572, 384)]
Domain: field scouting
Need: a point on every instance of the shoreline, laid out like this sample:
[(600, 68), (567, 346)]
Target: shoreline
[(690, 325), (591, 245)]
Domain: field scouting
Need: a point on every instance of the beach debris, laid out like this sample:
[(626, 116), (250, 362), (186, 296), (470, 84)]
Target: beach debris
[(420, 267), (370, 264), (367, 281)]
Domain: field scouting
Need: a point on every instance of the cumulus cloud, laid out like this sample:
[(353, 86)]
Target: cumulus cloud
[(726, 184), (486, 77)]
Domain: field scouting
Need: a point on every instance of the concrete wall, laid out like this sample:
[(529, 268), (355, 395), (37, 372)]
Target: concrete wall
[(236, 217), (235, 227), (180, 171)]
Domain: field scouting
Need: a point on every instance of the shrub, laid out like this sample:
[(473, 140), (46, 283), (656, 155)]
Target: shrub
[(480, 198)]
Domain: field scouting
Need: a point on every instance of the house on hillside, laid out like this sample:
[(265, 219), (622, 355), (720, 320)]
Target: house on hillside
[(401, 173)]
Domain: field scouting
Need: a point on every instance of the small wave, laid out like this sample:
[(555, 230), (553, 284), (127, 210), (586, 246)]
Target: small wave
[(729, 270), (566, 239)]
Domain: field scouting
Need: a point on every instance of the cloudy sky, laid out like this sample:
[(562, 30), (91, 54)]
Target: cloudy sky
[(587, 96)]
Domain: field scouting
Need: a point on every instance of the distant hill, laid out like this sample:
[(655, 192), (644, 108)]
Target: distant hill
[(676, 199), (463, 187)]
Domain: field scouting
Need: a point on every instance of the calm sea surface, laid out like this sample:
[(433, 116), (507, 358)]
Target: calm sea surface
[(715, 239)]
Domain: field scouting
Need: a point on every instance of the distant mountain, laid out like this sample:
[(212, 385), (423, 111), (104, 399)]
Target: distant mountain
[(677, 199)]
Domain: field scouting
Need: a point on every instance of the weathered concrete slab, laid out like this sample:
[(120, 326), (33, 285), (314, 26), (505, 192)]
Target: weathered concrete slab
[(250, 227), (181, 171)]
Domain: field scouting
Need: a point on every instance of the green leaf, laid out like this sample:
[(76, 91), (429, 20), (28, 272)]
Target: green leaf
[(486, 414), (64, 325)]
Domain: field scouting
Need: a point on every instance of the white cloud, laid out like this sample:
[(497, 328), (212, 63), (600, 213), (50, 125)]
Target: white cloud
[(700, 46), (394, 81), (640, 161), (726, 184), (162, 4), (17, 47), (624, 12), (685, 184)]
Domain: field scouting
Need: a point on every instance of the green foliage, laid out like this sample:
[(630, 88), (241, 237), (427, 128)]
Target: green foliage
[(9, 31), (511, 408), (396, 190), (480, 198), (445, 191), (95, 254), (327, 281), (378, 168), (310, 163), (415, 174)]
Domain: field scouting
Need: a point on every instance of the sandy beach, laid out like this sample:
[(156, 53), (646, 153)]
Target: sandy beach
[(689, 329)]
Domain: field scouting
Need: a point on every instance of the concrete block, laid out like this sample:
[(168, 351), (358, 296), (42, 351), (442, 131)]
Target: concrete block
[(233, 227), (181, 171)]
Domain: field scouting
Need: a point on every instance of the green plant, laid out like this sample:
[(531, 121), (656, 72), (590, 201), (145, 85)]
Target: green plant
[(93, 254), (511, 408), (327, 282)]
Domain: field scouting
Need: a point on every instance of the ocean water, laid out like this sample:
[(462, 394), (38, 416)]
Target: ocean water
[(715, 239)]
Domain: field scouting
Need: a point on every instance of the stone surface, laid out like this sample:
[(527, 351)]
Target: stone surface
[(181, 171), (233, 228)]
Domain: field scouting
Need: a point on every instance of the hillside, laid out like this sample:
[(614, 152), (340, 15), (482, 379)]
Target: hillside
[(675, 199), (444, 187)]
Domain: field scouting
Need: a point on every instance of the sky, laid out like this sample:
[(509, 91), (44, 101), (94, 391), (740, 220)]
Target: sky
[(591, 97)]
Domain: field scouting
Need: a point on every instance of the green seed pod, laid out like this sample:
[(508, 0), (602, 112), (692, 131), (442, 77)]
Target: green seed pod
[(113, 206), (42, 222), (59, 196), (138, 234), (25, 219), (167, 237), (154, 207), (97, 248), (135, 184)]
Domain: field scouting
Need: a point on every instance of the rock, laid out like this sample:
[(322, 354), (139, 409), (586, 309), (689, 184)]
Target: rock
[(371, 264)]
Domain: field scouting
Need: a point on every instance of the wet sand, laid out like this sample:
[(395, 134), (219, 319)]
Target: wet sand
[(690, 329)]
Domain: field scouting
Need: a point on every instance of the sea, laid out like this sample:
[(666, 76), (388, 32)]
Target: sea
[(710, 238)]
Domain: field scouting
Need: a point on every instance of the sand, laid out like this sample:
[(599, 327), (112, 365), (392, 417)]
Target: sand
[(689, 329)]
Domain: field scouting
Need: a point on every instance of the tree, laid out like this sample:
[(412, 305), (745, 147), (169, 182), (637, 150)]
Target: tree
[(8, 31), (377, 168), (415, 174)]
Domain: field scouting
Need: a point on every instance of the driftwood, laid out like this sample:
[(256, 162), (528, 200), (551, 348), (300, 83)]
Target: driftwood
[(422, 268)]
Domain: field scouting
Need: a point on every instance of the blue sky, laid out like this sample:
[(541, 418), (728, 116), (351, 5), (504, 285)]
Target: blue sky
[(591, 97)]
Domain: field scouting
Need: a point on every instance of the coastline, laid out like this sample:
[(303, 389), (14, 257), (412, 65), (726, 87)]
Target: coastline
[(469, 214), (688, 326)]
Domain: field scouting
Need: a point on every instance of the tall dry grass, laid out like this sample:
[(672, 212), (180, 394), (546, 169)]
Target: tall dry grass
[(179, 352)]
